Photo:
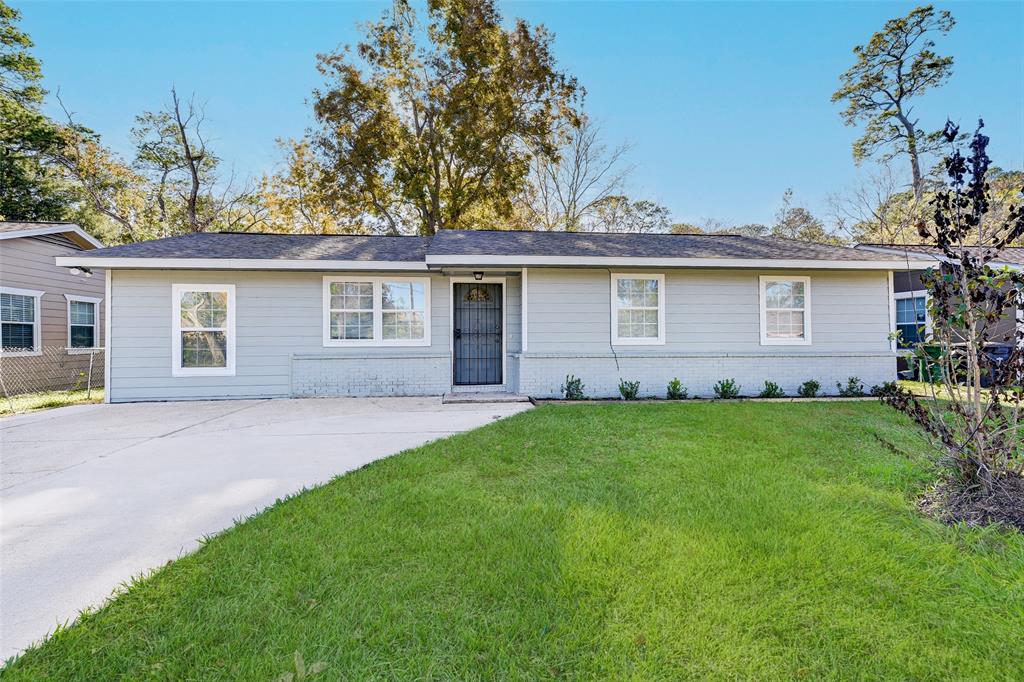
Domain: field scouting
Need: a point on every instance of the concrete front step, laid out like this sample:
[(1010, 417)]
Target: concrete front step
[(495, 397)]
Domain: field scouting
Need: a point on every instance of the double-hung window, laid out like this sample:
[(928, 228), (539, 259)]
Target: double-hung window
[(785, 310), (911, 317), (638, 309), (83, 322), (376, 311), (19, 321), (203, 328)]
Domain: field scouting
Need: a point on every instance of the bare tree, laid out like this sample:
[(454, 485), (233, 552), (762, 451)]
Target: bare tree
[(877, 208), (564, 191)]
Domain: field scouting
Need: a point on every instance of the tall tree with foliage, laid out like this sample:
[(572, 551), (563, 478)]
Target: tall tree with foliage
[(894, 68), (29, 189), (432, 123), (796, 222), (296, 197), (976, 430)]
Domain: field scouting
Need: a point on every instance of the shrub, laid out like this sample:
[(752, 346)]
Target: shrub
[(886, 388), (853, 388), (727, 388), (629, 389), (676, 390), (572, 389), (772, 390), (809, 389)]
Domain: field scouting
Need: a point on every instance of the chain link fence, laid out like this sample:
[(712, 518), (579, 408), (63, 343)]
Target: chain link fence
[(54, 368)]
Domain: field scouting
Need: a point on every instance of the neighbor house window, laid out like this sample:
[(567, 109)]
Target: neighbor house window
[(203, 324), (911, 317), (19, 321), (83, 321), (638, 309), (785, 310), (376, 311)]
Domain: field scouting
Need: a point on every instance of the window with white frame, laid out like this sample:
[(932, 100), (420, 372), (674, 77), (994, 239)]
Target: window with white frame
[(911, 317), (203, 324), (638, 309), (785, 310), (376, 311), (83, 321), (19, 321)]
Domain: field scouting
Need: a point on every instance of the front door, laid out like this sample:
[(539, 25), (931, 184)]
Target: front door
[(477, 333)]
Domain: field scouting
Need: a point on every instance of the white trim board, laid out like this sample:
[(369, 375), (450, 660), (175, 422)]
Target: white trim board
[(106, 337), (85, 261), (619, 261), (439, 262), (53, 229)]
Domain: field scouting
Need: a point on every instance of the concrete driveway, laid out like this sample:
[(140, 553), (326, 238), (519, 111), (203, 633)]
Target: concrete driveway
[(94, 495)]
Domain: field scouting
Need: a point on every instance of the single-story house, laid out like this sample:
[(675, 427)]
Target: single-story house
[(51, 319), (244, 315), (911, 298)]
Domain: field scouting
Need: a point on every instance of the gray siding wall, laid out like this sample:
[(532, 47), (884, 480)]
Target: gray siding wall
[(279, 345), (28, 263), (1002, 331), (712, 332)]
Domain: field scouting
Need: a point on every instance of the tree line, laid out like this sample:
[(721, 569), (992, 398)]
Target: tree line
[(441, 117)]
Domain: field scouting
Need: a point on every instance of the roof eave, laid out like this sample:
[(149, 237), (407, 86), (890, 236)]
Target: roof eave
[(146, 263), (76, 234), (436, 261)]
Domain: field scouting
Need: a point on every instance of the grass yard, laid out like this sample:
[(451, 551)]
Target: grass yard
[(656, 541), (30, 402)]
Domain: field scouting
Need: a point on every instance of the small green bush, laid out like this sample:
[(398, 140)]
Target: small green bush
[(772, 390), (853, 388), (726, 389), (809, 389), (629, 389), (886, 388), (676, 390), (572, 389)]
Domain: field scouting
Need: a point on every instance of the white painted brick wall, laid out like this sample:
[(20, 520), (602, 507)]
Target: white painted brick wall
[(371, 375), (541, 376)]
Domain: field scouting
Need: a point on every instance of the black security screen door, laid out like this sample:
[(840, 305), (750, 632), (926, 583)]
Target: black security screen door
[(477, 330)]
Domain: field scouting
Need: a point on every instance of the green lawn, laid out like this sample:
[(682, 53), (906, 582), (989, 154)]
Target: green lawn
[(655, 541), (44, 400)]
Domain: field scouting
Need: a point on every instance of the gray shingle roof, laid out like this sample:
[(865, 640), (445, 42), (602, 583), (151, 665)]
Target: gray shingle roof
[(274, 247), (262, 246), (589, 244), (1011, 254)]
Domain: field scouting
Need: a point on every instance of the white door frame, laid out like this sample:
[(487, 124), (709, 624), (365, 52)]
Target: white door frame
[(452, 281)]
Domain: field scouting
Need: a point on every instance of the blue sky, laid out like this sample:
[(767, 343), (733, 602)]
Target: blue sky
[(726, 104)]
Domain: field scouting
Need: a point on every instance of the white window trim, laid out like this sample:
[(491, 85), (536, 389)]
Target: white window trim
[(632, 341), (37, 326), (762, 283), (176, 368), (378, 312), (902, 295), (95, 323)]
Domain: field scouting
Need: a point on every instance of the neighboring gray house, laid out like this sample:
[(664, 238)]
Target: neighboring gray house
[(233, 315), (51, 319), (912, 319)]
